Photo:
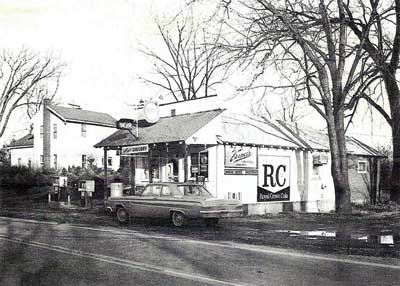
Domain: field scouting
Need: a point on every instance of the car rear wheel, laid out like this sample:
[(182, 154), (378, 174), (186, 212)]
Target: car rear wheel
[(178, 219), (211, 222), (122, 215)]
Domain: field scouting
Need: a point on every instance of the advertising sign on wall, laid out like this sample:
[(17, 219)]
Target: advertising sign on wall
[(135, 149), (240, 157), (273, 179)]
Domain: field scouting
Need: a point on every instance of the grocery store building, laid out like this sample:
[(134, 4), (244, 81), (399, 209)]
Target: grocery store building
[(271, 166)]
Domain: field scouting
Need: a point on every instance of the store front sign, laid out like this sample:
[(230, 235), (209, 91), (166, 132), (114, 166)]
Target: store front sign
[(273, 179), (240, 157), (134, 150), (240, 171)]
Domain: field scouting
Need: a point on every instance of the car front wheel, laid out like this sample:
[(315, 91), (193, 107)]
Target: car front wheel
[(178, 219), (122, 216)]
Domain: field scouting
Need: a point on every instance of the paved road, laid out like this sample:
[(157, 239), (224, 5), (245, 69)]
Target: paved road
[(34, 253)]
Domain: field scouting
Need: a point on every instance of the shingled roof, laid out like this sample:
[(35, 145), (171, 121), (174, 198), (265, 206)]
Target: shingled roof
[(68, 114), (317, 140), (253, 131), (24, 142), (167, 129)]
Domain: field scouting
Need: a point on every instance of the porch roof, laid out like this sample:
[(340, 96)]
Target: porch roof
[(23, 142)]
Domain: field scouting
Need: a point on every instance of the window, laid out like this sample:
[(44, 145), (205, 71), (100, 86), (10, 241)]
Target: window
[(19, 162), (153, 190), (109, 161), (83, 130), (41, 160), (362, 167), (84, 161), (41, 131), (193, 190), (55, 161), (29, 163), (54, 131), (166, 191), (199, 164)]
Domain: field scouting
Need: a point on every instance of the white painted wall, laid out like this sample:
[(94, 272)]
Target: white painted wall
[(70, 145), (25, 154), (303, 184)]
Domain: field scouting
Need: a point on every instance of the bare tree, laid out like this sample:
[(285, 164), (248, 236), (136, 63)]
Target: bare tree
[(25, 79), (377, 24), (310, 43), (191, 67)]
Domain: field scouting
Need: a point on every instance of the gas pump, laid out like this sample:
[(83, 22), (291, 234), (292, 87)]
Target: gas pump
[(59, 185), (86, 187)]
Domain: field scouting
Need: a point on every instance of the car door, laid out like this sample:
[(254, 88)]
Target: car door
[(146, 204), (166, 201)]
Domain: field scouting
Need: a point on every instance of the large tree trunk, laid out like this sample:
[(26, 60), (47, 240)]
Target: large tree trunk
[(395, 188), (339, 165), (393, 92)]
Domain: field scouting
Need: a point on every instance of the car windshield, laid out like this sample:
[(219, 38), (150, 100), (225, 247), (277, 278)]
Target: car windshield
[(193, 190)]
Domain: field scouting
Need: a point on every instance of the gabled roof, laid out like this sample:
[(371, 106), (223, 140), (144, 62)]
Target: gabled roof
[(232, 128), (317, 140), (167, 129), (309, 137), (24, 142), (356, 147), (68, 114), (257, 131)]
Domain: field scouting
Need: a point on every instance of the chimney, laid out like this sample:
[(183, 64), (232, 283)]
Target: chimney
[(46, 134)]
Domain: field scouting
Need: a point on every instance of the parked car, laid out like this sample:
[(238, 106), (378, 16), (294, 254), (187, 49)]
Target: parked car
[(178, 201)]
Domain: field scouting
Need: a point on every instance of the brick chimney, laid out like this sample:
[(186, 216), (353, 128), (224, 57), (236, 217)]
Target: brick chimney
[(46, 134)]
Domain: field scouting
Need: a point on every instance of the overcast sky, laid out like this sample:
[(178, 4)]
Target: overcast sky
[(98, 40)]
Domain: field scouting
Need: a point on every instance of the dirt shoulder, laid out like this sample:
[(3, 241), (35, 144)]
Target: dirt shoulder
[(363, 233)]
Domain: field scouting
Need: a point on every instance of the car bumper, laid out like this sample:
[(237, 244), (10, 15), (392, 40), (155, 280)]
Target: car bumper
[(221, 213)]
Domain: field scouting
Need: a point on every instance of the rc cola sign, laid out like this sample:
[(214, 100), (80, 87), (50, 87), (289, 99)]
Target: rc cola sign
[(240, 157), (273, 179)]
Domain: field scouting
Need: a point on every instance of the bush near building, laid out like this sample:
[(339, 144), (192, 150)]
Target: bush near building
[(20, 183), (22, 178)]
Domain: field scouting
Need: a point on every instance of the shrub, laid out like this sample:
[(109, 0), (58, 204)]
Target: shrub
[(17, 178)]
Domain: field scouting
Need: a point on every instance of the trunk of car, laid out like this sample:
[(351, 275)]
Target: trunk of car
[(224, 203)]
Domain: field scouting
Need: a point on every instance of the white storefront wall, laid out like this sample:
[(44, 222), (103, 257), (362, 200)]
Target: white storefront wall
[(311, 187), (315, 192)]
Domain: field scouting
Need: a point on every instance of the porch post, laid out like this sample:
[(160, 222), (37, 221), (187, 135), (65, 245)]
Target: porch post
[(150, 166), (105, 173), (132, 161), (185, 163)]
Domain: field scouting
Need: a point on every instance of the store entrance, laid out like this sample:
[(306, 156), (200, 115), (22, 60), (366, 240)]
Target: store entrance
[(172, 170)]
